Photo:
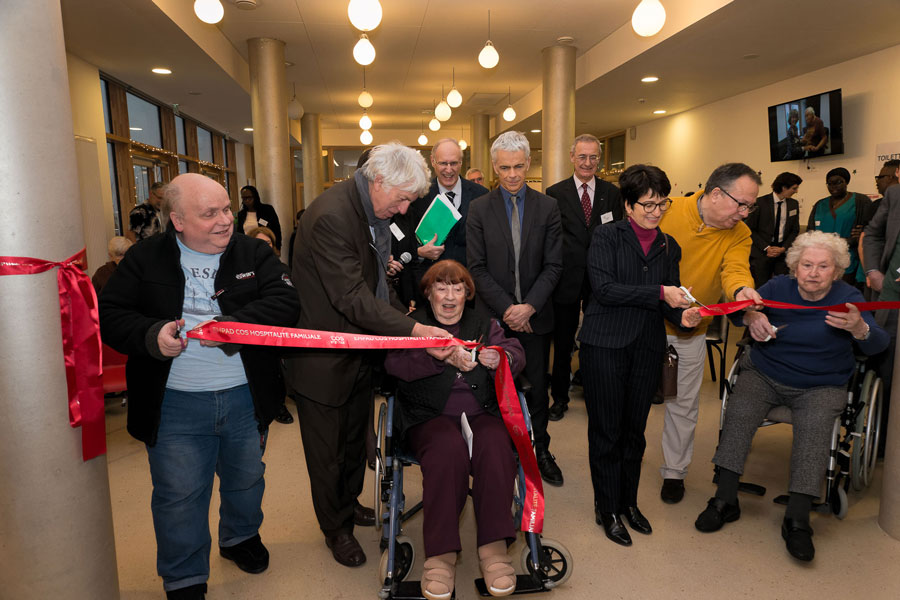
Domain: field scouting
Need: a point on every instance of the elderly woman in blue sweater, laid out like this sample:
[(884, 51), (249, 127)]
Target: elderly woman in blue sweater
[(804, 366)]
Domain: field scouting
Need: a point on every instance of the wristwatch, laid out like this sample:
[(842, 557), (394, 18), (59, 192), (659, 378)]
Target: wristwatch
[(738, 291)]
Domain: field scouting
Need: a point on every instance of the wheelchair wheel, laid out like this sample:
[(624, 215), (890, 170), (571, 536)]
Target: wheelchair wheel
[(379, 464), (839, 502), (556, 566), (404, 559), (868, 429)]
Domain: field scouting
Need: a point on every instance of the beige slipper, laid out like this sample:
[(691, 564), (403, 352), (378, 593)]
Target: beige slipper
[(496, 568), (439, 576)]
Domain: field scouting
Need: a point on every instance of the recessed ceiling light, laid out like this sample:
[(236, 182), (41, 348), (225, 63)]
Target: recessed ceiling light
[(288, 63), (649, 79), (248, 129), (659, 112), (136, 128), (161, 71), (535, 131), (195, 93), (750, 56)]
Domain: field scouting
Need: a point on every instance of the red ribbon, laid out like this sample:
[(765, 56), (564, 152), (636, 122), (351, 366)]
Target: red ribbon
[(729, 307), (81, 343), (507, 398)]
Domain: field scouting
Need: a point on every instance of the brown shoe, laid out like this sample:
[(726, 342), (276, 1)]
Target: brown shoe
[(363, 516), (346, 550)]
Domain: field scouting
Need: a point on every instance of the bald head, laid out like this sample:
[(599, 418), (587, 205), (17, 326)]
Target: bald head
[(446, 158), (200, 213)]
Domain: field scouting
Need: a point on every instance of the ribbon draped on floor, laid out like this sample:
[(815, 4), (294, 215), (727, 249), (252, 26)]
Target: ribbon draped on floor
[(507, 398), (81, 343), (727, 308)]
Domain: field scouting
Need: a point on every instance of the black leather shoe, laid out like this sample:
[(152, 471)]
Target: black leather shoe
[(250, 555), (576, 378), (363, 516), (672, 491), (798, 539), (550, 471), (716, 514), (284, 416), (191, 592), (636, 520), (346, 550), (614, 527), (557, 411)]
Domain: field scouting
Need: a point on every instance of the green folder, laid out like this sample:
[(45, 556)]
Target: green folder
[(439, 219)]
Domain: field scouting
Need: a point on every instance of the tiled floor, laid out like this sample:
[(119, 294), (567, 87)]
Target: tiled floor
[(747, 559)]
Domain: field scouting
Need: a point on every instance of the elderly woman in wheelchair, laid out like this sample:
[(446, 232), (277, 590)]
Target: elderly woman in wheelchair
[(803, 359), (435, 388)]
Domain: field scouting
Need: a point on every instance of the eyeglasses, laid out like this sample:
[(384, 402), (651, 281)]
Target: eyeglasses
[(877, 177), (649, 207), (455, 164), (592, 158), (742, 206)]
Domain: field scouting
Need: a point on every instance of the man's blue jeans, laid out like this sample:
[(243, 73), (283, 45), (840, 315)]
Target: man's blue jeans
[(202, 433)]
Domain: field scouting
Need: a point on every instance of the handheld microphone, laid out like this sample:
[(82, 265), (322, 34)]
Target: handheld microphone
[(406, 258)]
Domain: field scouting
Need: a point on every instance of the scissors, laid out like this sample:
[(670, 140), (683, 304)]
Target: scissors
[(776, 330), (689, 297)]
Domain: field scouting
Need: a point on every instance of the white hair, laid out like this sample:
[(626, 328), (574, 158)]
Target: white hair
[(832, 242), (399, 167), (586, 138), (511, 141), (810, 111)]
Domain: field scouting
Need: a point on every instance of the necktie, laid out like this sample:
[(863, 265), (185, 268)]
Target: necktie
[(586, 203), (776, 237), (517, 241), (451, 196)]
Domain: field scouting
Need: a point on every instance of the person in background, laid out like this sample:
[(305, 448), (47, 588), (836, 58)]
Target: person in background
[(846, 214), (773, 227), (254, 213), (144, 219), (715, 259), (476, 176), (116, 248), (585, 201), (815, 138)]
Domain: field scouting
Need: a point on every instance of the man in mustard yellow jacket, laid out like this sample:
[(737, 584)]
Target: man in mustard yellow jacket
[(715, 254)]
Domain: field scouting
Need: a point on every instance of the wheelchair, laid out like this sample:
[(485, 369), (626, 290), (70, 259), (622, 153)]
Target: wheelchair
[(854, 439), (545, 563)]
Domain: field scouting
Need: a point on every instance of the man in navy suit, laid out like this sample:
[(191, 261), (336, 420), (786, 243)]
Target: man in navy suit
[(514, 253), (584, 201), (773, 228)]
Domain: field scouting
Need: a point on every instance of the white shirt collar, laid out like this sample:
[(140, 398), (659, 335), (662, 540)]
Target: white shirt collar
[(456, 189), (590, 184)]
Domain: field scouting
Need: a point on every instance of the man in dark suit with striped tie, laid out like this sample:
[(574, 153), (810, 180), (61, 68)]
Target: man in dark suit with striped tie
[(773, 228), (514, 252), (584, 201)]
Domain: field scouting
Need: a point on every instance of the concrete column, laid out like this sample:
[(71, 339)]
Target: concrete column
[(481, 147), (271, 138), (889, 512), (311, 142), (55, 516), (558, 113)]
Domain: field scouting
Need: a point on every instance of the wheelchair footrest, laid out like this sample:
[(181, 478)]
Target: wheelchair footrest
[(782, 499), (525, 584), (752, 488), (411, 590)]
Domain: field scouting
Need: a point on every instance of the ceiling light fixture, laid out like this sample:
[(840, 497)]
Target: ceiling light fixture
[(488, 57), (659, 112), (365, 137), (510, 113), (365, 122), (434, 124), (454, 98), (423, 139), (365, 15), (648, 18), (649, 79), (442, 111), (535, 131), (463, 144), (248, 129), (135, 129), (295, 109), (161, 71), (365, 98), (364, 51), (209, 11)]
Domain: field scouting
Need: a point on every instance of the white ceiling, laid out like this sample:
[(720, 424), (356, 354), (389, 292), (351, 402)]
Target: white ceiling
[(419, 42)]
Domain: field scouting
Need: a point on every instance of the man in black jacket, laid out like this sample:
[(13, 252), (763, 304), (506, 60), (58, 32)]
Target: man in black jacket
[(200, 407), (774, 227), (584, 201)]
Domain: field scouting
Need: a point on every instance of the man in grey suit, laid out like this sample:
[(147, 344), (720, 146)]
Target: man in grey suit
[(341, 257), (514, 253), (585, 201)]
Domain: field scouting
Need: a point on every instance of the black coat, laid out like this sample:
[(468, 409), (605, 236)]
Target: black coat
[(573, 283), (147, 291), (762, 225), (266, 216)]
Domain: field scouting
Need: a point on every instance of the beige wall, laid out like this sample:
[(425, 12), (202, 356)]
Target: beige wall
[(689, 145)]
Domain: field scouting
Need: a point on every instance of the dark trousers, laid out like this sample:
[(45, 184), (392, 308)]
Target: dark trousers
[(565, 321), (619, 384), (446, 467), (334, 444), (537, 359), (766, 268)]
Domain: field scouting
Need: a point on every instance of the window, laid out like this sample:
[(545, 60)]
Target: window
[(179, 135), (224, 152), (143, 121), (298, 166), (617, 153), (105, 94), (182, 167), (204, 144), (114, 184)]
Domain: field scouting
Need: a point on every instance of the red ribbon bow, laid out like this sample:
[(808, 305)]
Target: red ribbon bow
[(81, 343)]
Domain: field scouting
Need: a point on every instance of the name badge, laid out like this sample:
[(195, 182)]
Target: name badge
[(398, 235), (818, 223), (792, 213), (606, 218), (262, 222)]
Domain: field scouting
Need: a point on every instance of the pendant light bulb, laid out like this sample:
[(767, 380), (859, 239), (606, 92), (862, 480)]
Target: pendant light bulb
[(295, 109), (365, 99), (454, 98), (442, 111), (364, 51), (463, 144), (365, 122), (209, 11), (366, 137), (423, 139), (434, 124), (488, 57), (365, 15), (648, 18), (509, 114)]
